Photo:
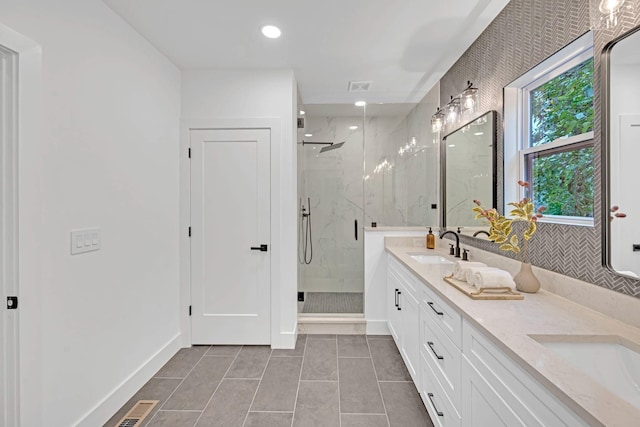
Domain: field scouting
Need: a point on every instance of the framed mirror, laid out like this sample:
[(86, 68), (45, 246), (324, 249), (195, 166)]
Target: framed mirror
[(621, 151), (468, 171)]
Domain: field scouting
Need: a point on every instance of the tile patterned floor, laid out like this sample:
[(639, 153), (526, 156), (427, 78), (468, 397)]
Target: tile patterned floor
[(327, 380)]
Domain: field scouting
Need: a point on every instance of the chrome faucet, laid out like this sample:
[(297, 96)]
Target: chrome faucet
[(457, 252)]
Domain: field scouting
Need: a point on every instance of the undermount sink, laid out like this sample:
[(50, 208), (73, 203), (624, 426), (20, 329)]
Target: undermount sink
[(430, 259), (608, 360)]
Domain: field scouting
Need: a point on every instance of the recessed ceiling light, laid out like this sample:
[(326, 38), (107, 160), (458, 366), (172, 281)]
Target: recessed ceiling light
[(353, 127), (360, 103), (452, 145), (308, 135), (479, 133), (271, 31), (302, 112)]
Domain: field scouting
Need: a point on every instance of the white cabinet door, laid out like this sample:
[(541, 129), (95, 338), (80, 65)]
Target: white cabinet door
[(481, 405), (410, 308), (394, 314)]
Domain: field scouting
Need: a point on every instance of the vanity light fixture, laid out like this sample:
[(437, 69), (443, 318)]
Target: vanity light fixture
[(271, 31), (437, 121), (360, 103), (452, 110), (469, 99), (610, 10)]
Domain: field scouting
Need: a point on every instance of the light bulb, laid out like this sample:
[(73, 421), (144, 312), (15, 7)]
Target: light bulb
[(610, 6)]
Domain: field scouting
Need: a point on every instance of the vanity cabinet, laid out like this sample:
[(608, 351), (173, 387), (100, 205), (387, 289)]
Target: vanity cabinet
[(463, 378), (496, 391), (403, 309)]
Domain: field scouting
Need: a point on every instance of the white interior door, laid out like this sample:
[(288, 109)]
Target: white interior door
[(230, 215)]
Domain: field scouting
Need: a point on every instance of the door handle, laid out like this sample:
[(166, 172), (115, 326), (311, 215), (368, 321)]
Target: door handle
[(355, 228), (396, 301), (261, 248)]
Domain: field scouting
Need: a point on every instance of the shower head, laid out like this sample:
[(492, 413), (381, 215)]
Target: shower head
[(332, 147)]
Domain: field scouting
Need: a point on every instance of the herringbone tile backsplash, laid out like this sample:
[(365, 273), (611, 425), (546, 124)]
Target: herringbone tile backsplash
[(525, 33)]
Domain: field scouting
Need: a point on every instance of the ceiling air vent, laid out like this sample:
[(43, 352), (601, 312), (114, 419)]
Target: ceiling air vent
[(360, 86), (138, 413)]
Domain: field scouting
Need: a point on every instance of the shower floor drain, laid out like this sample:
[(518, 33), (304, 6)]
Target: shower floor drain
[(138, 413)]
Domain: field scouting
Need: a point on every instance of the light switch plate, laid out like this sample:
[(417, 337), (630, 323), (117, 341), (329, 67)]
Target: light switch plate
[(85, 240)]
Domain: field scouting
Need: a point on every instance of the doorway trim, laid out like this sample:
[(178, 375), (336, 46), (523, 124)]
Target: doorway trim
[(10, 405), (279, 338), (23, 210)]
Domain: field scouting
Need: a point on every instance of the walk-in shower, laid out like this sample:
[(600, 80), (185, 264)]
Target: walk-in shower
[(330, 191)]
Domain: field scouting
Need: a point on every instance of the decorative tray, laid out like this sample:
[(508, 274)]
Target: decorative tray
[(498, 293)]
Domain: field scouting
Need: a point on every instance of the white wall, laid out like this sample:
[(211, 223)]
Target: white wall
[(107, 157), (240, 97)]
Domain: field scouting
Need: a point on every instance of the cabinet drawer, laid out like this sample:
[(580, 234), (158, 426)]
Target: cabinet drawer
[(445, 317), (442, 355), (440, 408), (407, 279)]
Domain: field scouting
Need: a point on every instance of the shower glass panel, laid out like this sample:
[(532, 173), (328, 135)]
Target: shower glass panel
[(331, 209)]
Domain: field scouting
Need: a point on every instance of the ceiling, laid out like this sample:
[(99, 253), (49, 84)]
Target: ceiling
[(404, 46)]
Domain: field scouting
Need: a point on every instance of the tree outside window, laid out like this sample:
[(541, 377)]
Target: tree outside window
[(561, 173)]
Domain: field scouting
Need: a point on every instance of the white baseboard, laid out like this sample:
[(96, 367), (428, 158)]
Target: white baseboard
[(285, 340), (104, 410), (377, 327)]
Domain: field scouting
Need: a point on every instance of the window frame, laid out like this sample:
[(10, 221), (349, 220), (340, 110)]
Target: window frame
[(516, 115)]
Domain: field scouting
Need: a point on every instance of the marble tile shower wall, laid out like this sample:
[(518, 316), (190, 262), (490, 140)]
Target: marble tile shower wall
[(525, 33), (401, 194)]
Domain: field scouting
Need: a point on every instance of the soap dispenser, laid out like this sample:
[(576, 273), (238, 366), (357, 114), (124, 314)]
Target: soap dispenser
[(431, 240)]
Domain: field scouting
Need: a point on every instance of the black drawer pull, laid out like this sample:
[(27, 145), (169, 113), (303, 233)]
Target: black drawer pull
[(439, 313), (438, 413), (430, 344), (399, 293), (396, 298)]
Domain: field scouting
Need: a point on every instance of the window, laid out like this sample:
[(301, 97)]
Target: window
[(549, 135)]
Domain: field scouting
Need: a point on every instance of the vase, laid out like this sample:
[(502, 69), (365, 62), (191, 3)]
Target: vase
[(525, 280)]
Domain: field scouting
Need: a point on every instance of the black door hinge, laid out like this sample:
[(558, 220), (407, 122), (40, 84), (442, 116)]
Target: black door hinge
[(189, 310), (189, 231), (12, 303), (189, 152)]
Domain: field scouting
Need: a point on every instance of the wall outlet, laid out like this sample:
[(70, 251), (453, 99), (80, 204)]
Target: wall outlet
[(85, 240)]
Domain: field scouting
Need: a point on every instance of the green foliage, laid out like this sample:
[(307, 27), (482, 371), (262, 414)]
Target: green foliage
[(563, 182), (563, 106)]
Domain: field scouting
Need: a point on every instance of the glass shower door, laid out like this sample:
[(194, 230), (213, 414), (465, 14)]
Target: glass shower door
[(331, 206)]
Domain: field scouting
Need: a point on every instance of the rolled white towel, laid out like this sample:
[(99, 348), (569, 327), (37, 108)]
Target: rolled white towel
[(460, 269), (492, 279), (471, 271)]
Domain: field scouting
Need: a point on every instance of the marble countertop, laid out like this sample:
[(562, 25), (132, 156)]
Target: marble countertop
[(509, 324)]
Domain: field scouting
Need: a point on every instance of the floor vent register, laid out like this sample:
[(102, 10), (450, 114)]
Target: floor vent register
[(138, 413)]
